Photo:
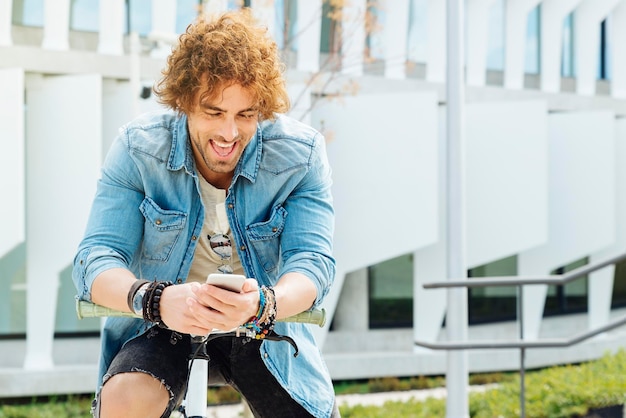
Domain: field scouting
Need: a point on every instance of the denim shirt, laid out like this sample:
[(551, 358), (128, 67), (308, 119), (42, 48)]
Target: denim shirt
[(147, 216)]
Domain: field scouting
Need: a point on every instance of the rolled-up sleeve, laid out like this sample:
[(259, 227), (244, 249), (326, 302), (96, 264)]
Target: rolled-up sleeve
[(307, 243), (114, 229)]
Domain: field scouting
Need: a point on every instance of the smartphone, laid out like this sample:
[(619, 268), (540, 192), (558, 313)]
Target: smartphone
[(232, 282)]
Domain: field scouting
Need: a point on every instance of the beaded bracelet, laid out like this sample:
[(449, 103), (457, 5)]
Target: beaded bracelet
[(152, 303), (261, 325)]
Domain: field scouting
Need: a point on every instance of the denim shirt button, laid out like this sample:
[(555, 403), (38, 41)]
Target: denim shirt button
[(242, 248), (179, 280), (274, 229), (266, 355), (231, 206), (194, 238)]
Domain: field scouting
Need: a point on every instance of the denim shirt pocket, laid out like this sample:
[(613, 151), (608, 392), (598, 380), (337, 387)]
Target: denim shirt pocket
[(265, 238), (162, 228)]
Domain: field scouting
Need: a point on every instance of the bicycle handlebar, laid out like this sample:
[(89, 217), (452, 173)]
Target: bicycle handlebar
[(86, 309)]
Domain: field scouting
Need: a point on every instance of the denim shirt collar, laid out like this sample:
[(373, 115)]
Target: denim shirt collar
[(181, 154)]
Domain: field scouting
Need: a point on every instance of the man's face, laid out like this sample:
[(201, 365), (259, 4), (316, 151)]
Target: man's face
[(220, 127)]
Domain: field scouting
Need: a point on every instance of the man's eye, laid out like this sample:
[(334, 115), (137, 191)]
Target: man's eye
[(248, 115), (214, 115)]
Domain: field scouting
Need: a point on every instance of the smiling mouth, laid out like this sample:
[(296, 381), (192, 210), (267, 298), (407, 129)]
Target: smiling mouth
[(222, 150)]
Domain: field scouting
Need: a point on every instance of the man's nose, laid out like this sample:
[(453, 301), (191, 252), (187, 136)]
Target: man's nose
[(229, 129)]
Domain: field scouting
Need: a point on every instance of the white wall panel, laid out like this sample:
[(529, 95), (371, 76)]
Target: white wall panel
[(12, 158), (383, 151), (581, 201), (63, 149), (309, 23), (477, 16), (582, 184), (507, 179), (353, 37), (384, 155), (430, 263), (56, 28), (582, 187), (117, 110), (300, 97), (396, 15), (6, 12), (600, 287), (436, 42), (119, 104)]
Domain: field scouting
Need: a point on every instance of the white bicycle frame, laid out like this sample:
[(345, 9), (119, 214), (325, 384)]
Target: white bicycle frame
[(194, 404)]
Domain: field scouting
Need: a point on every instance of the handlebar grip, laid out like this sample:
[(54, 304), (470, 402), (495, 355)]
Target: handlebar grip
[(312, 316), (86, 309)]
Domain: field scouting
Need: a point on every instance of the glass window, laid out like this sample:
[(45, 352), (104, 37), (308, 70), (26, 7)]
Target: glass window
[(140, 16), (391, 293), (618, 299), (531, 51), (84, 15), (374, 26), (186, 12), (570, 297), (286, 22), (604, 51), (330, 42), (417, 41), (28, 12), (495, 38), (493, 303), (567, 50)]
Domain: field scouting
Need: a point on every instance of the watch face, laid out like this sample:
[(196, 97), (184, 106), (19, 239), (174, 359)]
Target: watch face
[(138, 301)]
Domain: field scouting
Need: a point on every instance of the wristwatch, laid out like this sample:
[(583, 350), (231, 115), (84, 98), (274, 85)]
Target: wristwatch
[(138, 299)]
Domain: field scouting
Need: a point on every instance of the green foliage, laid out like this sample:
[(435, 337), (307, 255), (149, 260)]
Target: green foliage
[(70, 407), (431, 408), (394, 384), (557, 392), (222, 395)]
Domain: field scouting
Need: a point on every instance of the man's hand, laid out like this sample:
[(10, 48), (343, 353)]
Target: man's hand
[(175, 310), (223, 309), (195, 308)]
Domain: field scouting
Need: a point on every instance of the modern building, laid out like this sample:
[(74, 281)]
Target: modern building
[(545, 173)]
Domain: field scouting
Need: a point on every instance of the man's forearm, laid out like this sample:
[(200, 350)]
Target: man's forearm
[(110, 288), (295, 293)]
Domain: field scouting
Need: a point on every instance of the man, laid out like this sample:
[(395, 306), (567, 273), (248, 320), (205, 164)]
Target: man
[(178, 191)]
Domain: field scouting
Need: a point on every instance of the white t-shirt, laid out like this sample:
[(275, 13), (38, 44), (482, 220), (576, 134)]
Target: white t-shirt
[(205, 260)]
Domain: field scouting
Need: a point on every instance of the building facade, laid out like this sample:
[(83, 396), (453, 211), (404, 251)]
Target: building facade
[(545, 178)]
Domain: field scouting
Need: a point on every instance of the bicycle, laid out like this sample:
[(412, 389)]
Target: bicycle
[(194, 404)]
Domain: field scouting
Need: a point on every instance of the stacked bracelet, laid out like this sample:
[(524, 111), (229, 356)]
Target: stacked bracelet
[(260, 325), (152, 303)]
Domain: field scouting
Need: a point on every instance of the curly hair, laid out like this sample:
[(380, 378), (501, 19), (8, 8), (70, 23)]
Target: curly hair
[(230, 49)]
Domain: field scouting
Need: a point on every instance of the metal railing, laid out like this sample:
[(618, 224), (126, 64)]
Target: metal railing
[(520, 281)]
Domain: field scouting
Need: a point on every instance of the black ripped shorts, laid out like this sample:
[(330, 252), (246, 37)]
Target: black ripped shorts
[(164, 354)]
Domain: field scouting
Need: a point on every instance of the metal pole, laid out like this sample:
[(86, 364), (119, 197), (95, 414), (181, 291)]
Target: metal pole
[(457, 405), (522, 352)]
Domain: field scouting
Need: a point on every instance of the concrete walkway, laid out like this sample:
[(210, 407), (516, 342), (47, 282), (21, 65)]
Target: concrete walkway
[(375, 399)]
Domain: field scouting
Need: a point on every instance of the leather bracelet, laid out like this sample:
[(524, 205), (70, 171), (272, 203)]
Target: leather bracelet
[(133, 290)]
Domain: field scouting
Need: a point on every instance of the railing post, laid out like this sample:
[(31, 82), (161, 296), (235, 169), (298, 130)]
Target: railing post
[(522, 353), (457, 405)]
